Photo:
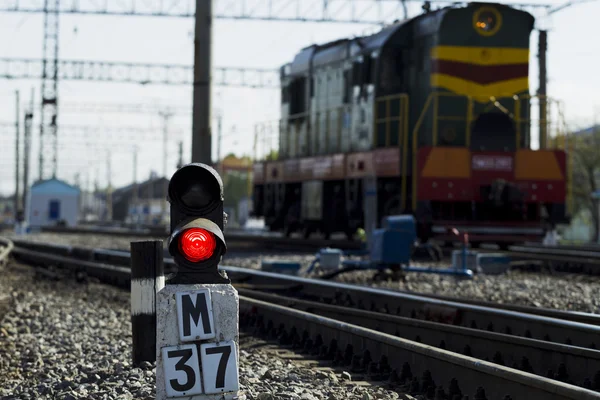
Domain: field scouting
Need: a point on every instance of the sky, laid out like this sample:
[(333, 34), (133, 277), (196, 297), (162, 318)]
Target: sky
[(90, 141)]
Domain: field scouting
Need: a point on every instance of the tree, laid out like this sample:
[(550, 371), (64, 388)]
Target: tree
[(586, 165), (272, 156), (235, 186), (235, 182)]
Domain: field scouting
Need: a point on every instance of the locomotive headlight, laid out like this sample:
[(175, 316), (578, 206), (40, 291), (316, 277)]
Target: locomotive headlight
[(487, 20)]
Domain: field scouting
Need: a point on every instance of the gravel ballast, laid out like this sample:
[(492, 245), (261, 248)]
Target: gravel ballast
[(67, 340), (561, 291)]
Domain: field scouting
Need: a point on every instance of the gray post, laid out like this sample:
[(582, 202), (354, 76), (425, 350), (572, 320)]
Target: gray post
[(163, 201), (201, 133), (370, 207), (180, 163), (219, 136), (26, 152), (147, 278), (17, 158), (542, 47), (135, 187), (109, 209)]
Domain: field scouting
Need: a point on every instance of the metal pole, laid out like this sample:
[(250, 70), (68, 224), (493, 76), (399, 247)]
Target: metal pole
[(542, 48), (17, 157), (108, 188), (180, 164), (163, 202), (26, 151), (219, 136), (87, 191), (135, 185), (201, 130), (147, 278)]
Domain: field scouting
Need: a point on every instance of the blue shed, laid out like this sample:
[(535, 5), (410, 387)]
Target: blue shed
[(52, 201)]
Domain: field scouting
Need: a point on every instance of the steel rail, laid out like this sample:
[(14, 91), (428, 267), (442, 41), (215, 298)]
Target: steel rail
[(556, 361), (558, 259), (233, 238), (555, 326), (360, 347), (551, 251), (578, 247), (111, 274)]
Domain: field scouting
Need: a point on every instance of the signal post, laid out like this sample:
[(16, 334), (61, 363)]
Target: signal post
[(197, 355)]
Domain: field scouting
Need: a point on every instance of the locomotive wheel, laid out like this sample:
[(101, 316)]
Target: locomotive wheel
[(306, 231), (287, 230), (349, 234), (392, 206)]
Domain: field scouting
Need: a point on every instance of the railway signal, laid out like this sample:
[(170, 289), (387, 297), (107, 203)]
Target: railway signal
[(197, 311), (197, 221)]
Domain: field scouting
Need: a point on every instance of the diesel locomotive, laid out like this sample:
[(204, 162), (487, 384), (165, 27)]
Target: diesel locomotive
[(430, 116)]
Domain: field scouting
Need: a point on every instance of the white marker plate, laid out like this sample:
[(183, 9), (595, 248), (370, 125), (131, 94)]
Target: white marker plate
[(195, 315), (182, 370), (219, 367)]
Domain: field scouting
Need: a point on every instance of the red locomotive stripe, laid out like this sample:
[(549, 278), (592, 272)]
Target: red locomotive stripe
[(481, 74)]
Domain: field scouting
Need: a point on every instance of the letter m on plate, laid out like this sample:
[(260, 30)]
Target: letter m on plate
[(195, 315)]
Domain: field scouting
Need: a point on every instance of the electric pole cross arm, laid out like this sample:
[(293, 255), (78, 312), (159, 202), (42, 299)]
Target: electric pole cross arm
[(198, 309), (140, 73)]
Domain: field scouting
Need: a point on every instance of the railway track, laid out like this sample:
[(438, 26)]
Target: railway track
[(235, 238), (574, 259), (546, 343), (562, 258)]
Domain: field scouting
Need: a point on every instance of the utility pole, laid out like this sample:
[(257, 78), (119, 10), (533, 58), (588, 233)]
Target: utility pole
[(87, 192), (96, 190), (108, 188), (201, 134), (180, 163), (163, 203), (219, 136), (542, 49), (17, 158), (135, 184), (26, 149), (49, 105)]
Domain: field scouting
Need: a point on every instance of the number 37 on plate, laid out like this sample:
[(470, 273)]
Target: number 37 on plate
[(182, 368)]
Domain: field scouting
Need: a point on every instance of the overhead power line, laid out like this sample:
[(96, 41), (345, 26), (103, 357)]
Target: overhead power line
[(567, 5), (329, 11), (163, 74), (124, 108), (342, 11)]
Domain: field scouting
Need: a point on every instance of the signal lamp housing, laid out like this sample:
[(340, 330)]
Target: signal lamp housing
[(197, 221)]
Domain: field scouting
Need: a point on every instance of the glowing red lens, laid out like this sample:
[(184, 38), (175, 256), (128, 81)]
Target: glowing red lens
[(197, 244)]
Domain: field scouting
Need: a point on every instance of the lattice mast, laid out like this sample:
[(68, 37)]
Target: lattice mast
[(49, 104)]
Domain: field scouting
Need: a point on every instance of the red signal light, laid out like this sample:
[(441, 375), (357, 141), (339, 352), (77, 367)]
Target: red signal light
[(197, 244)]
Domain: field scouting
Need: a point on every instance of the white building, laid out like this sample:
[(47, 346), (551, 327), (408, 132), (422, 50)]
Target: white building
[(52, 201)]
